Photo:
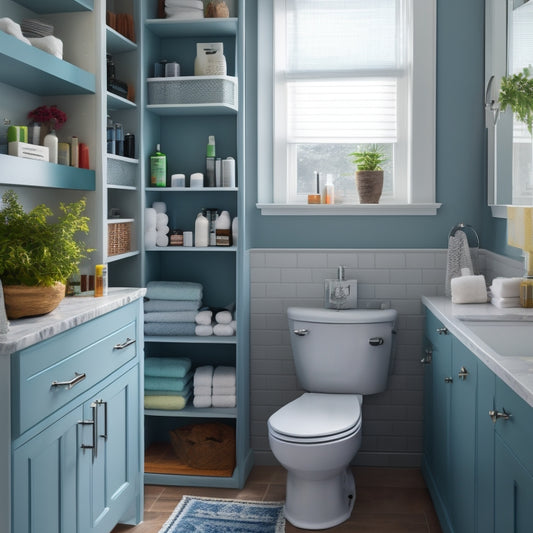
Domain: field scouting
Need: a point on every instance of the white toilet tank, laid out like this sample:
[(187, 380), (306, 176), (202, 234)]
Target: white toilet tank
[(347, 351)]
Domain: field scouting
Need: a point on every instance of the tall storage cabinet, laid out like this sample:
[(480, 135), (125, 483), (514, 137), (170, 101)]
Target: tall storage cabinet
[(182, 130)]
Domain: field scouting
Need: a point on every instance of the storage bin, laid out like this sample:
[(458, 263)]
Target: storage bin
[(190, 90), (119, 238)]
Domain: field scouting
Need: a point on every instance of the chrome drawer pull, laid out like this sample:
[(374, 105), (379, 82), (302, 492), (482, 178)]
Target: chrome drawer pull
[(494, 415), (94, 424), (448, 380), (442, 331), (463, 373), (125, 344), (428, 357), (69, 384), (301, 332), (98, 403)]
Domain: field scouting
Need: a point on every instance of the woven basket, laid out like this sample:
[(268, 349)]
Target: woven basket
[(208, 446), (118, 238), (23, 301)]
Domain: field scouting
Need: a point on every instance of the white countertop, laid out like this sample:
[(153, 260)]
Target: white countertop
[(517, 372), (71, 312)]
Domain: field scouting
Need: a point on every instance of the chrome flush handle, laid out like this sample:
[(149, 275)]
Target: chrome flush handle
[(301, 332)]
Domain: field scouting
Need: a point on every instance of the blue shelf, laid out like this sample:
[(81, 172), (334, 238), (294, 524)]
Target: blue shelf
[(193, 339), (211, 27), (115, 102), (186, 249), (32, 70), (188, 189), (31, 173), (196, 412), (57, 6), (116, 43), (192, 109)]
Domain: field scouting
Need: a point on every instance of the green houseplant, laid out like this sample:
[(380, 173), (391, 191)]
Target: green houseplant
[(38, 254), (369, 173), (516, 92)]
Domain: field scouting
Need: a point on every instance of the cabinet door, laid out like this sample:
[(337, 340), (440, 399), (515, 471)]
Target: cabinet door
[(113, 467), (46, 471)]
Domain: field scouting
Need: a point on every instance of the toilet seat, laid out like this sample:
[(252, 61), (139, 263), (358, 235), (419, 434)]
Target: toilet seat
[(315, 418)]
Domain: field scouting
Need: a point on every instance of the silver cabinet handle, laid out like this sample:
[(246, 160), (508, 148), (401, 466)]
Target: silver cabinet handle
[(301, 332), (442, 331), (494, 415), (448, 380), (463, 373), (98, 403), (125, 344), (94, 424), (69, 384), (426, 360)]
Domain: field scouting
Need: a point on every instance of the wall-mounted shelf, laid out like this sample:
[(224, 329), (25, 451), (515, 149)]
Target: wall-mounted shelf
[(212, 339), (192, 109), (115, 102), (57, 6), (193, 249), (119, 257), (195, 412), (116, 43), (210, 27), (31, 173), (189, 190)]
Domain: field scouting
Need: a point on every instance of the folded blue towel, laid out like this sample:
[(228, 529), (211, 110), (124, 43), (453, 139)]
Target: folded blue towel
[(174, 290), (171, 305), (151, 391), (170, 316), (169, 328), (163, 383), (176, 367)]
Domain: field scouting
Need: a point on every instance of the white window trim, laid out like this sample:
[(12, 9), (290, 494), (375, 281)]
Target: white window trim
[(421, 200)]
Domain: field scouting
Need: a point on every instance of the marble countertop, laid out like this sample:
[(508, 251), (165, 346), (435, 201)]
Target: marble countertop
[(71, 312), (517, 372)]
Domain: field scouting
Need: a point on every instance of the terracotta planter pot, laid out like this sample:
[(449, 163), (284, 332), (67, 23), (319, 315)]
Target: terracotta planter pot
[(23, 301), (369, 185)]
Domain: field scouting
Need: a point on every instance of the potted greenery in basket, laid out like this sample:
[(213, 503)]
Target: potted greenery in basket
[(516, 92), (369, 173), (37, 256)]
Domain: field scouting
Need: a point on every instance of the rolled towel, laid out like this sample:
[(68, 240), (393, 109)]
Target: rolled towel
[(223, 391), (223, 317), (505, 287), (503, 303), (203, 376), (160, 207), (202, 330), (170, 316), (223, 330), (10, 27), (178, 329), (201, 401), (204, 317), (49, 44), (150, 239), (174, 290), (149, 218), (161, 220), (233, 324), (161, 239), (221, 400), (203, 391), (171, 305), (469, 290), (162, 383), (176, 367), (166, 403), (224, 376)]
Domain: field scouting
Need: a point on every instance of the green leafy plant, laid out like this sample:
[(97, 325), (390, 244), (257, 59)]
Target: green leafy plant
[(516, 92), (370, 158), (36, 252)]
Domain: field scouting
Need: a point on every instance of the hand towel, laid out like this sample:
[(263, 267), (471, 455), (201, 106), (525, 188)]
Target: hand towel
[(160, 207), (223, 330), (176, 385), (150, 239), (170, 316), (171, 305), (149, 218), (161, 220), (223, 317), (233, 324), (469, 290), (166, 403), (503, 303), (174, 290), (176, 367), (50, 44), (224, 376), (161, 239), (505, 287), (203, 376), (203, 331), (223, 401), (201, 401), (202, 391), (204, 317), (458, 257), (223, 391), (179, 329), (10, 27)]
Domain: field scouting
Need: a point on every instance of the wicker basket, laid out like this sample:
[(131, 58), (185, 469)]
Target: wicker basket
[(119, 238), (24, 301), (205, 446)]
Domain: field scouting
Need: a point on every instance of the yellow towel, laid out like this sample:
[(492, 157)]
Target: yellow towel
[(520, 232), (167, 403)]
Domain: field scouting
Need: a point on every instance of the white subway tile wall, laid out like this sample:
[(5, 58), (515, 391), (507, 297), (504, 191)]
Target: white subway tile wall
[(392, 421)]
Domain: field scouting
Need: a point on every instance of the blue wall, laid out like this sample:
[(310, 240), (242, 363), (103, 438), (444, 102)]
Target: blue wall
[(461, 174)]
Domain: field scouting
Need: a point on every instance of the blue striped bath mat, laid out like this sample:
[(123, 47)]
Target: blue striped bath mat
[(214, 515)]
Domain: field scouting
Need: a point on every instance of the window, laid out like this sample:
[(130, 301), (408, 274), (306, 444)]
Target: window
[(342, 74)]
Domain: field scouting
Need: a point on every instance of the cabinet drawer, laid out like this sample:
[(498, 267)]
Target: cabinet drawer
[(50, 374)]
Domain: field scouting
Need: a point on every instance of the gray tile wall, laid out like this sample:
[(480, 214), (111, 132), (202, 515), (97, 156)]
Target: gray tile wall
[(392, 421)]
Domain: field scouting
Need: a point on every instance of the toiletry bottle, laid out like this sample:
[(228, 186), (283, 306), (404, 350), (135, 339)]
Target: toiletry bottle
[(211, 152), (110, 136), (100, 280), (328, 194), (315, 198), (223, 229), (526, 284), (52, 143), (201, 231), (158, 168)]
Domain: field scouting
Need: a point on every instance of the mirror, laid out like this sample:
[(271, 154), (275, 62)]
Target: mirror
[(508, 50)]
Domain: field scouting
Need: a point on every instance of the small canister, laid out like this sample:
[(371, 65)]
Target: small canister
[(129, 145), (159, 69), (176, 237), (172, 69)]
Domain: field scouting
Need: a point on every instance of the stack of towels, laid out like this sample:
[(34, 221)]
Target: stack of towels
[(505, 292), (184, 9), (170, 307), (214, 386), (219, 322), (35, 33), (167, 382), (156, 227)]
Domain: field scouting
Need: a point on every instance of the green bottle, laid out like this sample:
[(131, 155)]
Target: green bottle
[(158, 168)]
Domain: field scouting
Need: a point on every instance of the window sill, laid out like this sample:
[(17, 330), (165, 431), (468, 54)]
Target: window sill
[(349, 209)]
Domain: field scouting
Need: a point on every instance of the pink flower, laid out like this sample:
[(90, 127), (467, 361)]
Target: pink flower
[(51, 115)]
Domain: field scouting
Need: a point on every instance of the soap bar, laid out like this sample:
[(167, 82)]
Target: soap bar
[(469, 290)]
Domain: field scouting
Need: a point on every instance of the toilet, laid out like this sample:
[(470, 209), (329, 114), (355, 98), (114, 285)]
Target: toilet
[(339, 357)]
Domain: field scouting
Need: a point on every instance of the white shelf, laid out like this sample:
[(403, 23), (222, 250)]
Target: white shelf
[(192, 249), (123, 159), (116, 102), (191, 339), (209, 27), (189, 189), (196, 412), (116, 43), (119, 257)]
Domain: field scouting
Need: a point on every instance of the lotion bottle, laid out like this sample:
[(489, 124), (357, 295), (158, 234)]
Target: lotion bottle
[(328, 193), (201, 231)]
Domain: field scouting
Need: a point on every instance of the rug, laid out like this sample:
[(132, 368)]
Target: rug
[(214, 515)]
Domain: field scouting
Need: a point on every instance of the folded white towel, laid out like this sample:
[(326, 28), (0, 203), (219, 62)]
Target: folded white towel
[(203, 376), (468, 290), (224, 376), (223, 330), (233, 324), (201, 401), (169, 316), (161, 239), (203, 330), (505, 287), (223, 391), (10, 27), (203, 391), (204, 317), (223, 317), (149, 218), (50, 44), (160, 207), (223, 401), (161, 221), (503, 303), (150, 239)]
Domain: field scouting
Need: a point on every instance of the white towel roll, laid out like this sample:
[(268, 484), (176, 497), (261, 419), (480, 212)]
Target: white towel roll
[(223, 317), (149, 218), (223, 391), (150, 238), (468, 290), (204, 317), (224, 376), (223, 401), (165, 230), (201, 401), (161, 239), (160, 207), (223, 330), (505, 287), (233, 324), (203, 330), (203, 391), (203, 376), (161, 220)]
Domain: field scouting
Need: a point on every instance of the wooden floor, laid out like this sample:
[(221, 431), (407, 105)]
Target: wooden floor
[(389, 500)]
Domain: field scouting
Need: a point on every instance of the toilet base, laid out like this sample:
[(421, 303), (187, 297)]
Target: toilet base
[(319, 503)]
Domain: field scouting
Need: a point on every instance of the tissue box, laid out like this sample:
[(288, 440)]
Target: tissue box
[(28, 151)]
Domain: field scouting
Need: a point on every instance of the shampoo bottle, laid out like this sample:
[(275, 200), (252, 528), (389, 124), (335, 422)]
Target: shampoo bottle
[(158, 168), (201, 231)]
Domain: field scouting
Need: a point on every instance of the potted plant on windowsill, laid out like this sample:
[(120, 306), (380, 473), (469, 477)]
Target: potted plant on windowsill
[(38, 256), (516, 92), (369, 173)]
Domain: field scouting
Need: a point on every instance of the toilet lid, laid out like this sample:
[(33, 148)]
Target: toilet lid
[(319, 415)]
